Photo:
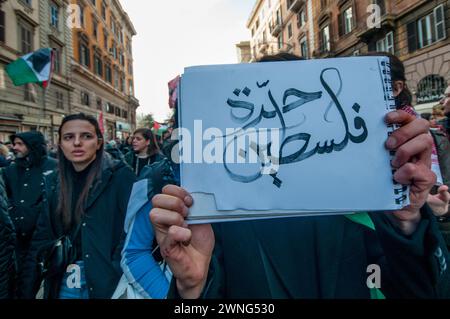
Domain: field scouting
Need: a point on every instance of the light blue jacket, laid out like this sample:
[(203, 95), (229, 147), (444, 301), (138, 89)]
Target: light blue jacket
[(138, 264)]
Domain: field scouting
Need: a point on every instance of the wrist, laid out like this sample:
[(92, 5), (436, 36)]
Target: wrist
[(189, 290)]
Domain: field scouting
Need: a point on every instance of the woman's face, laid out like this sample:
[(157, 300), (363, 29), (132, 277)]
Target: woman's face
[(79, 143), (140, 144)]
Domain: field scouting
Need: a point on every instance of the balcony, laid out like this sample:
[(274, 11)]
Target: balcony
[(387, 22), (262, 48), (295, 5), (276, 28)]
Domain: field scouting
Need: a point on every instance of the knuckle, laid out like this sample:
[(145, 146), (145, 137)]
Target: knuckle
[(423, 123)]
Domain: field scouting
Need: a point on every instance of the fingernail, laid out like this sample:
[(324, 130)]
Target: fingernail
[(188, 201), (391, 142), (393, 116)]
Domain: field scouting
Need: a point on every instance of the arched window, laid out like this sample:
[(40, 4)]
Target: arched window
[(431, 88)]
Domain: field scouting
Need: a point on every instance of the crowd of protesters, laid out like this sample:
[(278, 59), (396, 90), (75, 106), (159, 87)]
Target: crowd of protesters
[(74, 223)]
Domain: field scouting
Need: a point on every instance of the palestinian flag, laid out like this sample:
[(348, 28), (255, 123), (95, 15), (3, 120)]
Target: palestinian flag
[(35, 67)]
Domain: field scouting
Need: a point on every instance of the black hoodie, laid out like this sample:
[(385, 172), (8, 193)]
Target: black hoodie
[(36, 145), (24, 188)]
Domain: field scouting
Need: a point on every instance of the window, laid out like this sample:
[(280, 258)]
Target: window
[(26, 38), (95, 29), (427, 30), (85, 54), (26, 2), (109, 108), (280, 42), (2, 26), (301, 17), (118, 111), (116, 78), (130, 67), (382, 6), (289, 30), (325, 45), (124, 114), (59, 100), (130, 87), (108, 77), (98, 65), (348, 20), (54, 15), (82, 16), (105, 39), (304, 48), (57, 66), (431, 88), (121, 59), (85, 98), (99, 104), (386, 44), (30, 93), (103, 10)]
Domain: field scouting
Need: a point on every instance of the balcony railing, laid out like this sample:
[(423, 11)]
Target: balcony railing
[(276, 28)]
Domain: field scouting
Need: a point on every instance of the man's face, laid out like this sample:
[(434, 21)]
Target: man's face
[(446, 101), (20, 149)]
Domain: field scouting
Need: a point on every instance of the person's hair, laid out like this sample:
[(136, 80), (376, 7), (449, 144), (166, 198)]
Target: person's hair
[(426, 116), (67, 174), (148, 135), (405, 97)]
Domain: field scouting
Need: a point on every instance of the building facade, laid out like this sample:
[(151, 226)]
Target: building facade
[(102, 65), (244, 52), (417, 31), (21, 108)]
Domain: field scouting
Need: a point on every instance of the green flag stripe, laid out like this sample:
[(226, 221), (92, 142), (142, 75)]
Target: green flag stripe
[(21, 73)]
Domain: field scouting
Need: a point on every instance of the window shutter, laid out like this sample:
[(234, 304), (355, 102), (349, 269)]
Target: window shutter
[(2, 26), (412, 36), (439, 19), (341, 24)]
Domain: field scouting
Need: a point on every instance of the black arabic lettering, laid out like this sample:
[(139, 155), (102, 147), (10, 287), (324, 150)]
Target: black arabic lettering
[(263, 152)]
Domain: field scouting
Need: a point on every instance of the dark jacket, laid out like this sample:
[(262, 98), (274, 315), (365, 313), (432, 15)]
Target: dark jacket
[(446, 124), (7, 246), (443, 148), (326, 258), (131, 160), (102, 233), (24, 188)]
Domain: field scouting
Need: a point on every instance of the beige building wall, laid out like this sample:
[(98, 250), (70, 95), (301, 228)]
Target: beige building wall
[(244, 52), (282, 26), (21, 108), (102, 66)]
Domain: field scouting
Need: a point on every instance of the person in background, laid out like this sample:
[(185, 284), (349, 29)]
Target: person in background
[(7, 248), (145, 151), (87, 203), (445, 102), (24, 189), (4, 156)]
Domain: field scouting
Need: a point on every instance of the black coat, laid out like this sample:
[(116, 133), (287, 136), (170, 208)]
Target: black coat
[(24, 188), (7, 246), (325, 257), (102, 234)]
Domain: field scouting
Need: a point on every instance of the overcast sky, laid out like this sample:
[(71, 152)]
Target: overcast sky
[(175, 34)]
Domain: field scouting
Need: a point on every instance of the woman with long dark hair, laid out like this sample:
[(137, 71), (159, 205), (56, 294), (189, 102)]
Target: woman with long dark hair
[(80, 236), (145, 151)]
